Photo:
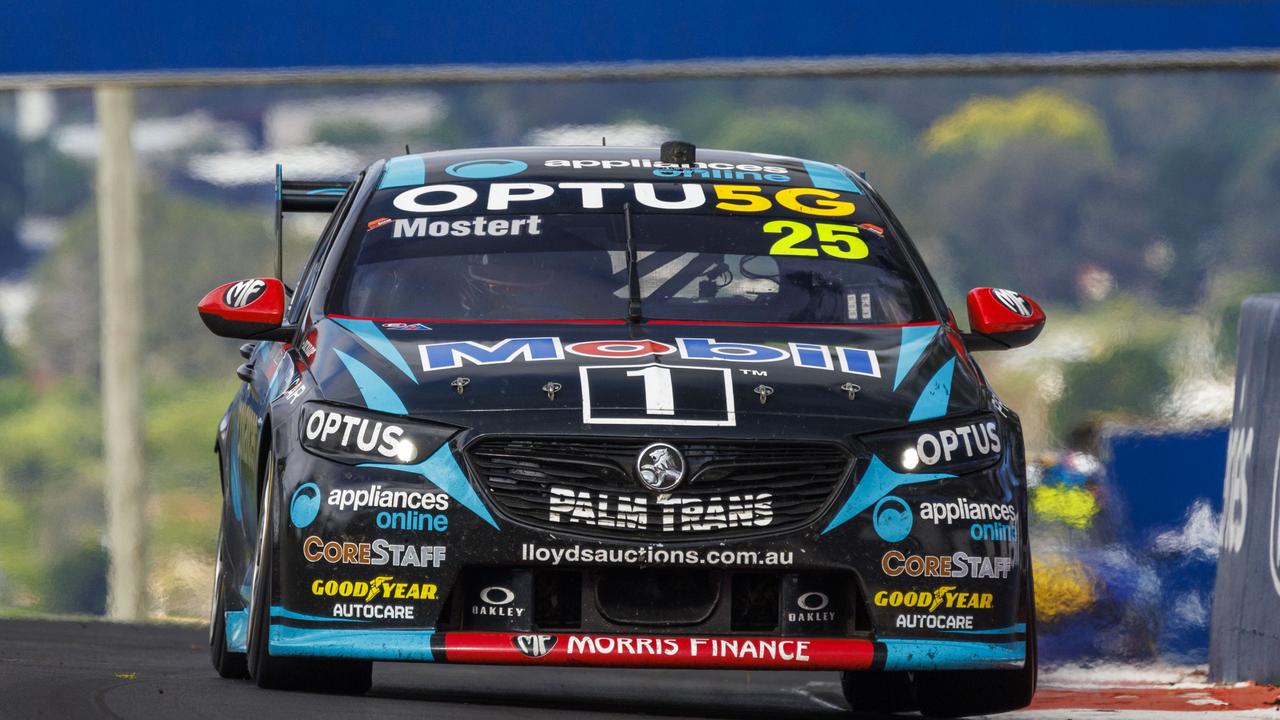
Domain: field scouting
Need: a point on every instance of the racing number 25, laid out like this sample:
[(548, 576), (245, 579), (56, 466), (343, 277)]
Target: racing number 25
[(838, 241)]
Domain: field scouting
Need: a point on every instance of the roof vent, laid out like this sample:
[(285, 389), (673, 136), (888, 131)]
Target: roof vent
[(679, 152)]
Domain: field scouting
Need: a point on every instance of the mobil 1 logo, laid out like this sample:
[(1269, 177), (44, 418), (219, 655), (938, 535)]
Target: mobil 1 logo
[(656, 395)]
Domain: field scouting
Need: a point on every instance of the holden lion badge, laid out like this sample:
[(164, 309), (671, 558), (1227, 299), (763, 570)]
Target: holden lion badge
[(660, 467)]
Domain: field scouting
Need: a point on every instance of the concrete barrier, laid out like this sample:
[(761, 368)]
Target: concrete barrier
[(1244, 642)]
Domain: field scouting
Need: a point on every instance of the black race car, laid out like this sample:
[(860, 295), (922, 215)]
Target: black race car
[(624, 407)]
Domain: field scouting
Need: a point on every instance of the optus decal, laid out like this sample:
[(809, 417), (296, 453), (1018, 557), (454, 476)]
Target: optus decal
[(444, 198), (334, 431), (966, 442)]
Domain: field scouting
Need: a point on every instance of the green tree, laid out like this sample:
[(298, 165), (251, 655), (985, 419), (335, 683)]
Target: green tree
[(1126, 384), (189, 247), (985, 125)]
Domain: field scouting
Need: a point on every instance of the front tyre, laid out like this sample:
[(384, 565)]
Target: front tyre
[(353, 677), (229, 664), (957, 693)]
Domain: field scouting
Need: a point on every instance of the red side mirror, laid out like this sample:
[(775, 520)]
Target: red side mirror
[(250, 309), (1000, 319)]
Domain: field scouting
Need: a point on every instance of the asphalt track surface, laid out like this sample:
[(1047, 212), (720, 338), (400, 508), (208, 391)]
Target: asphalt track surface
[(60, 669), (69, 669)]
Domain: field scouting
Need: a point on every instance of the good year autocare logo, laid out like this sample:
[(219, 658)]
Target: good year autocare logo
[(243, 293)]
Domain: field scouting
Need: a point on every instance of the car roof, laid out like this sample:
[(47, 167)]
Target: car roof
[(618, 164)]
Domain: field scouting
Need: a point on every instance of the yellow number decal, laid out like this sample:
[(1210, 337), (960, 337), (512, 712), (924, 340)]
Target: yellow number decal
[(830, 205), (748, 195), (838, 241), (841, 241), (798, 232)]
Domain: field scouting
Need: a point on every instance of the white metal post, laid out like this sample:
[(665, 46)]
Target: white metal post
[(120, 268)]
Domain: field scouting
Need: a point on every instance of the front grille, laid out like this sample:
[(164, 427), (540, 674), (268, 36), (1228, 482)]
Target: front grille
[(587, 486)]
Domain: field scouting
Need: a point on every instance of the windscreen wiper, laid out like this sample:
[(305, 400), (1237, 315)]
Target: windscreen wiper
[(633, 271)]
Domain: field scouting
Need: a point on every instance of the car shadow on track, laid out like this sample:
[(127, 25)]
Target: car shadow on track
[(659, 693)]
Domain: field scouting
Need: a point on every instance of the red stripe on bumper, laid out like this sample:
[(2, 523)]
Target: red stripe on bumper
[(659, 651)]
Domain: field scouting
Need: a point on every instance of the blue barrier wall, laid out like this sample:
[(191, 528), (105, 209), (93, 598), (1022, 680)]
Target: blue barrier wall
[(1172, 500), (66, 36), (1164, 474), (1125, 545)]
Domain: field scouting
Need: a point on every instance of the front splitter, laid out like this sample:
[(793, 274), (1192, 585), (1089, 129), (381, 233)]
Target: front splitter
[(645, 651)]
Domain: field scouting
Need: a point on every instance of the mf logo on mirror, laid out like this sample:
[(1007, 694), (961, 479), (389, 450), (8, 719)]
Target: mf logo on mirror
[(1012, 300), (244, 292)]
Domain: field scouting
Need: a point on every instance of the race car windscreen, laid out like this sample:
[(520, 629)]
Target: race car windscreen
[(803, 256)]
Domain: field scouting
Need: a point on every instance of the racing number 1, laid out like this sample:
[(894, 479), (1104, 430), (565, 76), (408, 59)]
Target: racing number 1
[(659, 395), (838, 241)]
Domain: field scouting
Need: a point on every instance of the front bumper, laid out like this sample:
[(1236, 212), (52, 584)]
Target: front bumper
[(410, 572), (645, 651)]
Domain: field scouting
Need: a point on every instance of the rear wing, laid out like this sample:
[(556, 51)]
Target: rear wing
[(303, 196)]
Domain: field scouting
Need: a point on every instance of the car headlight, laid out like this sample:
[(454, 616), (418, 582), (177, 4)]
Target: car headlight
[(352, 436), (957, 446)]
